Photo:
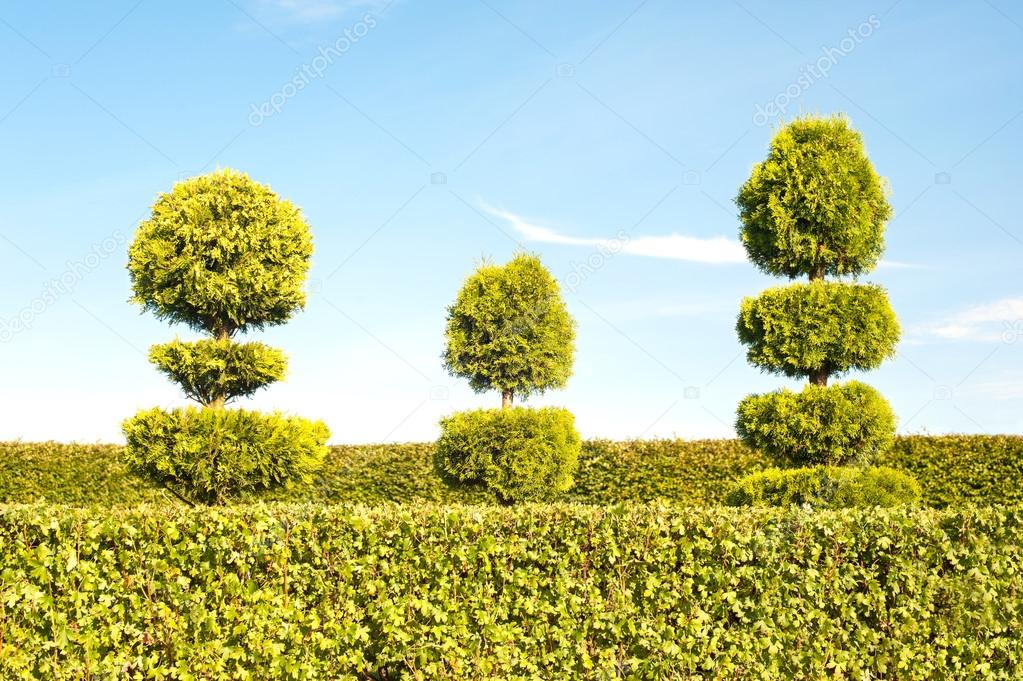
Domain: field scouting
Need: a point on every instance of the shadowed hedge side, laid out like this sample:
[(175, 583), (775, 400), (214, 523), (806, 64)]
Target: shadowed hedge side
[(951, 469)]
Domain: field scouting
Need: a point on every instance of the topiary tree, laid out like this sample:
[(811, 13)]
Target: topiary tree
[(509, 330), (816, 207), (223, 255)]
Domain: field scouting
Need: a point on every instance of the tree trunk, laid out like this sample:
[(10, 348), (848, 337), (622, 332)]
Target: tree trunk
[(217, 403), (819, 377), (506, 399), (817, 273)]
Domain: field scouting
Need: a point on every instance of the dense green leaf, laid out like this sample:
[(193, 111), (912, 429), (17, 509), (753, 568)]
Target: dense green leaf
[(518, 454), (952, 469), (646, 592), (509, 329), (212, 369), (211, 456), (221, 252), (815, 205), (835, 424), (826, 487), (828, 326)]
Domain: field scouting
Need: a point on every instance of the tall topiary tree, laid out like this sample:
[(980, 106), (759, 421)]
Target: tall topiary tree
[(816, 208), (509, 330), (223, 255)]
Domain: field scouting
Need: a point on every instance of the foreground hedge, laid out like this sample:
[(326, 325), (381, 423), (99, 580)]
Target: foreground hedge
[(952, 469), (564, 591)]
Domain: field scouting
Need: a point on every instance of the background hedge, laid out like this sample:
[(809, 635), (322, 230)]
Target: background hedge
[(554, 591), (951, 469)]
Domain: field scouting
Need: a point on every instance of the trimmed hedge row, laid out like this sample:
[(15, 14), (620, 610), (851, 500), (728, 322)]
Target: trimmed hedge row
[(952, 469), (554, 591)]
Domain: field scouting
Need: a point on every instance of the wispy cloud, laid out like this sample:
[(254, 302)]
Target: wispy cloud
[(997, 322), (313, 11), (715, 250), (1010, 388), (900, 265)]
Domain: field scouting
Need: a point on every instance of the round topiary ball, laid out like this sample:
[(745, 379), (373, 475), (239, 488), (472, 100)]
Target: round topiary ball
[(832, 425), (518, 454), (815, 205), (820, 327), (221, 253), (826, 487)]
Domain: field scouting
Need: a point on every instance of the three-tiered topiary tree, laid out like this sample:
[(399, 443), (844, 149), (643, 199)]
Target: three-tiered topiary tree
[(816, 208), (509, 330), (223, 255)]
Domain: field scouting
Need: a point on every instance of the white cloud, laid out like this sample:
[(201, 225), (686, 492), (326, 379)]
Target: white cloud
[(715, 250), (1000, 321), (314, 11), (899, 265), (1003, 390)]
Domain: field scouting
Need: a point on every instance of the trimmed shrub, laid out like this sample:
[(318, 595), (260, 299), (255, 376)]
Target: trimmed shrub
[(518, 454), (209, 368), (831, 425), (538, 591), (815, 205), (819, 326), (209, 456), (222, 254), (962, 469), (826, 487), (952, 469), (509, 330)]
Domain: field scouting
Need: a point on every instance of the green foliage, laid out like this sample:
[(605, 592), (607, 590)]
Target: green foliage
[(211, 456), (952, 469), (831, 326), (826, 487), (509, 329), (221, 253), (688, 472), (833, 425), (212, 369), (815, 205), (567, 592), (518, 454), (963, 469)]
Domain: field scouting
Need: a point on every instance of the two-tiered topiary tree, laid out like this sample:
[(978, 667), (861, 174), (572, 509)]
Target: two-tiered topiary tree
[(223, 255), (816, 208), (509, 330)]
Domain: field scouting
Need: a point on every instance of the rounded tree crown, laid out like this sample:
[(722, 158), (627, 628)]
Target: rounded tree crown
[(509, 329), (815, 205), (829, 326), (212, 368), (221, 253)]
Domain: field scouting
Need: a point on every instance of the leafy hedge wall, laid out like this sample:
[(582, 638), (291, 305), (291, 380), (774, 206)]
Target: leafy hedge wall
[(951, 469), (555, 591)]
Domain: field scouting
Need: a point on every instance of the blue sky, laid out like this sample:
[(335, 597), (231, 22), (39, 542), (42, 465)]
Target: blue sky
[(419, 137)]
